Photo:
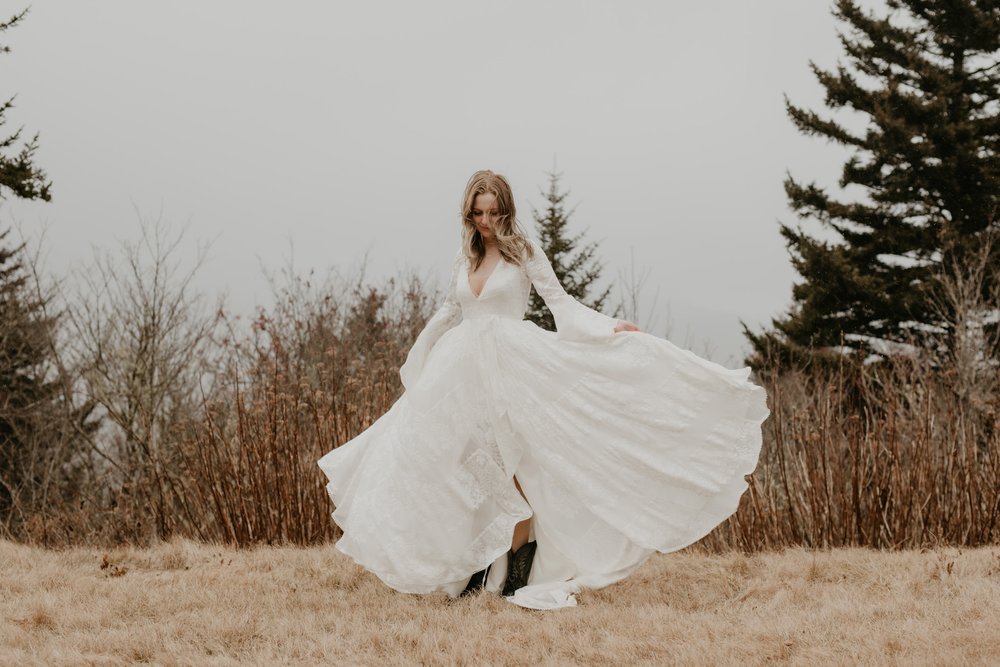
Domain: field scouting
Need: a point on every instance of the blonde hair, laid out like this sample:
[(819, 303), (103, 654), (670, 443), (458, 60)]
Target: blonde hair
[(509, 236)]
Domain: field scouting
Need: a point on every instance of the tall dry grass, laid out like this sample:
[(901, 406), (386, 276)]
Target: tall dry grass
[(318, 369), (272, 393), (899, 454), (886, 458)]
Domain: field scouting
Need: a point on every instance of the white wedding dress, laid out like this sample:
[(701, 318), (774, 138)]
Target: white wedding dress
[(623, 443)]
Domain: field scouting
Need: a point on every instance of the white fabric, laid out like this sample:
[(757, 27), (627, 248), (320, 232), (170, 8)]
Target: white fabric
[(623, 443)]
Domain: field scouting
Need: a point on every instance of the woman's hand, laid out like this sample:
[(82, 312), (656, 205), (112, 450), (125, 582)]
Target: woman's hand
[(624, 325)]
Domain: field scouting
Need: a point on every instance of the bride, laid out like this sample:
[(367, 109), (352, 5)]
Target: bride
[(534, 463)]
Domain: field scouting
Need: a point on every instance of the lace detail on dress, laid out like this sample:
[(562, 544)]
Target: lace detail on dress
[(479, 477)]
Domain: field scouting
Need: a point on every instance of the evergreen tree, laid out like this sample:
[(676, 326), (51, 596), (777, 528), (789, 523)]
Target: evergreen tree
[(576, 272), (23, 363), (33, 422), (925, 77), (19, 175)]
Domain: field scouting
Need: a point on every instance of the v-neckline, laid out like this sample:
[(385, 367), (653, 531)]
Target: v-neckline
[(485, 282)]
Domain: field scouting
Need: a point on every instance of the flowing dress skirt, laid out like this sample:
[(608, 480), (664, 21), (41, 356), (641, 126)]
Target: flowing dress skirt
[(622, 447)]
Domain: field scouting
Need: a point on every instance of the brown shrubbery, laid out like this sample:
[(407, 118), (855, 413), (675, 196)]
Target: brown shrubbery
[(886, 456), (315, 372), (213, 424)]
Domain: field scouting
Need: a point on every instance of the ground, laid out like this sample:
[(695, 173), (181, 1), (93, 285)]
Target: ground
[(187, 603)]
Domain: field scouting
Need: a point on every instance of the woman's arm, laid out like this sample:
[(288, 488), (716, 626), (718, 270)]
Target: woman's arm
[(447, 315), (574, 321)]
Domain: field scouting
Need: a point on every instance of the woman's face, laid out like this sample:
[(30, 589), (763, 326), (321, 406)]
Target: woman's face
[(484, 213)]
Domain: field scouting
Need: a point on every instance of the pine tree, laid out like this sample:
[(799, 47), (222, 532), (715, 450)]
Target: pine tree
[(925, 77), (23, 364), (31, 414), (576, 272), (18, 172)]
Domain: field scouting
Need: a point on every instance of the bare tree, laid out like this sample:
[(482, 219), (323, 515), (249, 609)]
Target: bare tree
[(142, 338), (966, 302)]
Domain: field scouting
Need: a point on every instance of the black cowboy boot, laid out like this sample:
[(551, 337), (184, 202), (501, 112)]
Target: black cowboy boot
[(518, 567), (476, 583)]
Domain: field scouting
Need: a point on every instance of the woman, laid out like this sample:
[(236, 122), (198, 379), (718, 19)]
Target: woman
[(536, 463)]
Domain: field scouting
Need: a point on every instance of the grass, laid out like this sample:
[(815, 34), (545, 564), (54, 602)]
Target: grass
[(183, 602)]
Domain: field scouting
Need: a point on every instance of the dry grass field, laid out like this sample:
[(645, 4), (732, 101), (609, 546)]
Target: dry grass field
[(187, 603)]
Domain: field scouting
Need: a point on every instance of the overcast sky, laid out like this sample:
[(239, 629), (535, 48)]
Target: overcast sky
[(327, 130)]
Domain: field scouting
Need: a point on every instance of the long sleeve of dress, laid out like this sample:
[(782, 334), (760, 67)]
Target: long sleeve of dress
[(447, 315), (574, 321)]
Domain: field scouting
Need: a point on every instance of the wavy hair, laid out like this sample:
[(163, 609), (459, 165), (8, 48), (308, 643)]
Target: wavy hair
[(510, 238)]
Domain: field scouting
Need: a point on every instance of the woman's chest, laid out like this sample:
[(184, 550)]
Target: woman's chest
[(492, 281)]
